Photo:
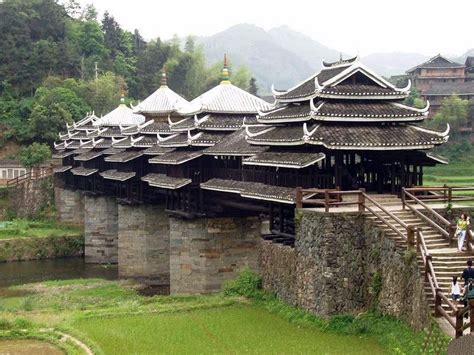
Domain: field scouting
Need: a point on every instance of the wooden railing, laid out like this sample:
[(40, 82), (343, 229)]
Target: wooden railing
[(33, 174), (456, 319), (446, 228)]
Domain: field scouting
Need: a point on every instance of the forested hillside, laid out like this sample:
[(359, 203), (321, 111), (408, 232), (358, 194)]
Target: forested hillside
[(48, 57)]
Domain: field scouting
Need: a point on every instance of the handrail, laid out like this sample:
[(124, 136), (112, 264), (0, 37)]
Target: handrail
[(32, 174)]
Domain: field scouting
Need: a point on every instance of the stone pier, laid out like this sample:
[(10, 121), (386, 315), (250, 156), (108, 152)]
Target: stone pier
[(206, 252), (143, 244), (100, 229), (69, 205)]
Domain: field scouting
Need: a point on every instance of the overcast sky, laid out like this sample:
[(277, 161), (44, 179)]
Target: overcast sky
[(354, 27)]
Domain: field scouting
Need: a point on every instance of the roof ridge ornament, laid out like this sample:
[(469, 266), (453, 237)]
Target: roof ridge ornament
[(225, 72), (164, 139), (306, 133), (315, 109), (164, 79), (251, 135)]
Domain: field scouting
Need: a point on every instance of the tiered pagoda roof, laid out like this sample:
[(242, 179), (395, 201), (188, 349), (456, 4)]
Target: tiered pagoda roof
[(163, 101), (345, 106)]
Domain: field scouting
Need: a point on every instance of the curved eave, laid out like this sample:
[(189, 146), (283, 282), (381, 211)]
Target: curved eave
[(288, 119), (358, 96), (388, 119)]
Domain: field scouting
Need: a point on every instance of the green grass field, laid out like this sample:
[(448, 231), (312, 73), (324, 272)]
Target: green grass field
[(236, 329), (113, 318), (20, 228)]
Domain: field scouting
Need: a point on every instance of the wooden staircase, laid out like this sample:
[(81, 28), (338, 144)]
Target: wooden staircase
[(447, 261)]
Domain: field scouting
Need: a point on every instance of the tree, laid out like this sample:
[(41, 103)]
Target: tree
[(453, 111), (253, 88), (241, 77), (35, 154), (414, 99), (46, 122)]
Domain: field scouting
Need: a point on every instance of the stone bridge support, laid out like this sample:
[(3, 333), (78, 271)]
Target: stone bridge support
[(69, 206), (143, 244), (206, 252), (100, 229)]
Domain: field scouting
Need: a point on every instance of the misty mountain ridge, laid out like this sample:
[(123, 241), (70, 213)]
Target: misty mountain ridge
[(284, 57)]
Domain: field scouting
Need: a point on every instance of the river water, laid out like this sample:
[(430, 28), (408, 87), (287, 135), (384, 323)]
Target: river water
[(21, 272)]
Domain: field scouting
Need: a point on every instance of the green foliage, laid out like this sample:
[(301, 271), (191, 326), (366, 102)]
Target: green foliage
[(35, 154), (453, 111), (247, 284)]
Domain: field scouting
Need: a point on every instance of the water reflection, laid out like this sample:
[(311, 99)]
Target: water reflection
[(22, 272)]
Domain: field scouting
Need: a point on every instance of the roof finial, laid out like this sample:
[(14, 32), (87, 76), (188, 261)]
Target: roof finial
[(164, 80), (225, 72), (122, 93), (340, 56)]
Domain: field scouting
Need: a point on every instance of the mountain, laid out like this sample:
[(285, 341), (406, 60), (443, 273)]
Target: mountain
[(284, 57), (395, 63), (462, 59), (280, 56), (311, 51)]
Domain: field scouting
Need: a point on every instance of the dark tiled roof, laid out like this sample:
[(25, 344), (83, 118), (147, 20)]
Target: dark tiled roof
[(437, 62), (124, 143), (218, 122), (308, 88), (344, 89), (183, 125), (112, 151), (81, 150), (181, 140), (117, 175), (82, 135), (367, 110), (164, 181), (88, 156), (125, 156), (63, 154), (447, 88), (296, 112), (104, 143), (146, 141), (176, 157), (253, 190), (80, 171), (130, 130), (285, 159), (73, 145), (156, 127), (208, 139), (157, 150), (353, 136), (62, 169), (86, 127), (234, 144), (112, 132)]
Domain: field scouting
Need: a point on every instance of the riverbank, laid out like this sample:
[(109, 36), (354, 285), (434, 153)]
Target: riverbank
[(114, 317), (33, 240)]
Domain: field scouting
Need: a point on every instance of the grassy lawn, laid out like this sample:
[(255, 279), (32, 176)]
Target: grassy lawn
[(236, 329), (113, 318), (19, 228)]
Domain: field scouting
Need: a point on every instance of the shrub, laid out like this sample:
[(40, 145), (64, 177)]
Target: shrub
[(5, 324), (247, 284)]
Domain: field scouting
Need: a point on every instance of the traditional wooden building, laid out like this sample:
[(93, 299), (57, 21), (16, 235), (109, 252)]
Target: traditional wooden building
[(440, 77)]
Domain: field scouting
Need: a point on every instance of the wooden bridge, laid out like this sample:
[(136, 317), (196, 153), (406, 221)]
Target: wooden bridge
[(418, 220)]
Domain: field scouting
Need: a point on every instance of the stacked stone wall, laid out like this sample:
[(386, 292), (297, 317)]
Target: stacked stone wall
[(30, 197), (100, 229), (143, 244), (341, 263), (206, 252), (69, 206)]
